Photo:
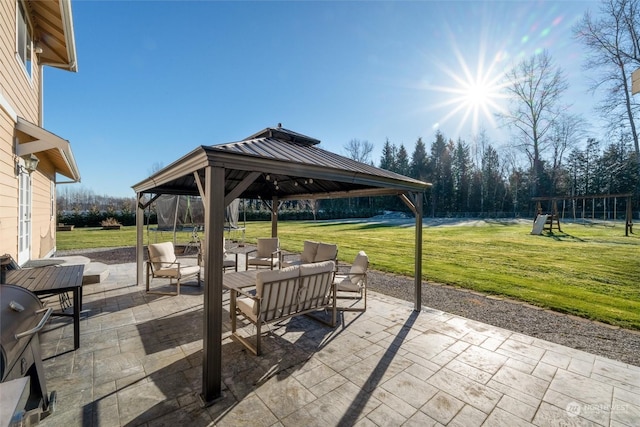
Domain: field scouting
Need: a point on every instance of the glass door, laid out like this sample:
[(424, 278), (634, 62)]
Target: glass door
[(24, 218)]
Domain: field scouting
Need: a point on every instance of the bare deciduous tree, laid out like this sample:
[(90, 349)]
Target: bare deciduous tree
[(567, 131), (612, 40), (534, 87), (359, 151)]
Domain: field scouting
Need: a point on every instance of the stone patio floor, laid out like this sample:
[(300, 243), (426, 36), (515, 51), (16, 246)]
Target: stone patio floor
[(140, 363)]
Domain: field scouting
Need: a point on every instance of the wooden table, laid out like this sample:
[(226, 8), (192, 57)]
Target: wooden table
[(237, 281), (240, 279), (53, 280), (241, 250)]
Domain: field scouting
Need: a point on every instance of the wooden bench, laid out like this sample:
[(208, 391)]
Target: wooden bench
[(280, 294)]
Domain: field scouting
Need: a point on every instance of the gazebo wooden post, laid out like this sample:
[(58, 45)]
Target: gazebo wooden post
[(139, 238), (274, 216), (418, 254), (214, 207), (414, 202)]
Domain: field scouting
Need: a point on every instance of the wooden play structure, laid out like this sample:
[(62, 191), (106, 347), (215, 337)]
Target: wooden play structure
[(544, 221), (582, 207)]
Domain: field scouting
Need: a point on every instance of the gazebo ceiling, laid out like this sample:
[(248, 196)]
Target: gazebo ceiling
[(283, 164)]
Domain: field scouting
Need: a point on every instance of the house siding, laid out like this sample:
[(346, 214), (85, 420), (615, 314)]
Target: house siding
[(8, 189), (42, 223), (20, 93)]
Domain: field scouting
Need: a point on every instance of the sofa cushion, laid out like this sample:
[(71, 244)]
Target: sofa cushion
[(275, 297), (316, 267), (359, 267), (309, 252), (265, 276), (344, 283), (315, 284), (326, 252), (161, 254), (248, 306), (267, 246)]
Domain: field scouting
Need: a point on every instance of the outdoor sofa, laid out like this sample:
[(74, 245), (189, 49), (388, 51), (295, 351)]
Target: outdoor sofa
[(284, 293), (313, 252)]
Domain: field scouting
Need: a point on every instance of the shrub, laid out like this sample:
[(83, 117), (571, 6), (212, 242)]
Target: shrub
[(111, 221)]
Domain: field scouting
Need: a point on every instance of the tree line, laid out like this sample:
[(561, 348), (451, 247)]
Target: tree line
[(477, 180)]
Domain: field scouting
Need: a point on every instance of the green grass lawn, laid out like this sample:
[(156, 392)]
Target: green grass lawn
[(591, 271)]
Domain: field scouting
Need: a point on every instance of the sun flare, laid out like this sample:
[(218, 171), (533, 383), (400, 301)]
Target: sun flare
[(478, 94), (472, 98)]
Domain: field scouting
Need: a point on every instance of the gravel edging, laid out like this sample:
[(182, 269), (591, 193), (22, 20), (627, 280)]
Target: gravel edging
[(582, 334)]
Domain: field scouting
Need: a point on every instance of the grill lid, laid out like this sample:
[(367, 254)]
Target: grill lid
[(20, 311)]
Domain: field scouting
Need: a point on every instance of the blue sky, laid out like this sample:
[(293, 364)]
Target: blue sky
[(157, 79)]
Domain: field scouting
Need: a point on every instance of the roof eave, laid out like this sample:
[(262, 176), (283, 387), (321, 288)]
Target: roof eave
[(54, 20), (46, 141), (191, 162), (69, 35)]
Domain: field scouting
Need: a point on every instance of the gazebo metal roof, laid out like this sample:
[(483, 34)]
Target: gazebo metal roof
[(292, 166), (273, 164)]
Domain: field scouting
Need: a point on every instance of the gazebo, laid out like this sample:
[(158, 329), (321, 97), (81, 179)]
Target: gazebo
[(274, 164)]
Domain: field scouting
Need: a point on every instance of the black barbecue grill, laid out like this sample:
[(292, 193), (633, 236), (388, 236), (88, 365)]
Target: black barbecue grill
[(21, 318)]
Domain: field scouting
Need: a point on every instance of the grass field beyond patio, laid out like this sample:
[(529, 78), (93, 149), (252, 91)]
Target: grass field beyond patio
[(591, 271)]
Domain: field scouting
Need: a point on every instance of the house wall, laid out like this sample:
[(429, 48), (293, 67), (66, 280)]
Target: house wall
[(8, 189), (43, 225), (19, 95)]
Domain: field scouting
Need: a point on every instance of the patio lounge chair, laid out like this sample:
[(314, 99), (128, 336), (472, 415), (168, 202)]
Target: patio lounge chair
[(226, 263), (353, 285), (267, 254), (164, 264)]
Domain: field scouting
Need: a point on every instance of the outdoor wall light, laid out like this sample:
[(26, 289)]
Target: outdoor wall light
[(31, 162)]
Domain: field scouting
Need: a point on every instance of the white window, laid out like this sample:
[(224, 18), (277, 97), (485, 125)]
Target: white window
[(24, 218), (24, 40)]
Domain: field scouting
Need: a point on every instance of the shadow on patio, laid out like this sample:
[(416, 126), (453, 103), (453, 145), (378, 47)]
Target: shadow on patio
[(140, 363)]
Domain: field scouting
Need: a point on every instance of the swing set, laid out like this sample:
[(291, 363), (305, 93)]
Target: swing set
[(585, 208)]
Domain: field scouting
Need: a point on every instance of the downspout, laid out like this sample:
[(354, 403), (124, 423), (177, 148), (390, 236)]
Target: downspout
[(40, 94)]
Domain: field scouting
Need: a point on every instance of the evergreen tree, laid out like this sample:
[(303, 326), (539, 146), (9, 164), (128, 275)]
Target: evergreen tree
[(388, 160), (419, 161), (620, 169), (461, 169), (402, 161), (492, 178), (440, 168)]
